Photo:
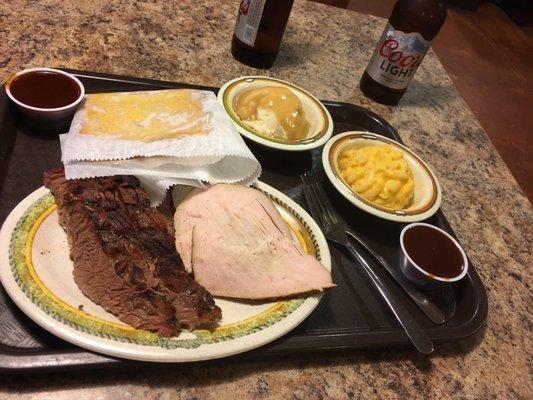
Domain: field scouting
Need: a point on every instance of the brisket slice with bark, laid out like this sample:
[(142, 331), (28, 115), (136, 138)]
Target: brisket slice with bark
[(124, 255)]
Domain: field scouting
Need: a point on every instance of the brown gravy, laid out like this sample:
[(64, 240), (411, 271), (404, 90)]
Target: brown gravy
[(433, 251), (45, 89), (282, 102)]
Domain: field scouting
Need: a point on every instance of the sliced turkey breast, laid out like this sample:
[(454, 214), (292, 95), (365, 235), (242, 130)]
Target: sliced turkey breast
[(239, 246), (201, 205)]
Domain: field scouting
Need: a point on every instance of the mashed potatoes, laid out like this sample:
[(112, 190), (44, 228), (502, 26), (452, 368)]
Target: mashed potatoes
[(274, 111), (380, 174)]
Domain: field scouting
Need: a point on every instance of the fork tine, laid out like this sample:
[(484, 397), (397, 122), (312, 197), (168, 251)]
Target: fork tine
[(314, 205), (323, 210), (324, 201), (332, 214), (312, 201)]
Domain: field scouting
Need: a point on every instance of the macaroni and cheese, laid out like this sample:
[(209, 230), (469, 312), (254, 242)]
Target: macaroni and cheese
[(380, 174)]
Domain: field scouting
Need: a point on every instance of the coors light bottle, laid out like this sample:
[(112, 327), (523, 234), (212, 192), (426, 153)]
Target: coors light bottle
[(401, 48)]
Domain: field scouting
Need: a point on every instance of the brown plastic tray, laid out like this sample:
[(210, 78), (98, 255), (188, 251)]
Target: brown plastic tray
[(351, 316)]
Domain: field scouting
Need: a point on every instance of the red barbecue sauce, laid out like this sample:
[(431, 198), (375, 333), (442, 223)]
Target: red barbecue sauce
[(45, 89), (433, 251)]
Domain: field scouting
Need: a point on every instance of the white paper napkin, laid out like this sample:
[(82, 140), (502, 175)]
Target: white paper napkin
[(220, 156)]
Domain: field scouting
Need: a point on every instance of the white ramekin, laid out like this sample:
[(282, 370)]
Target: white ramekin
[(45, 118), (415, 273)]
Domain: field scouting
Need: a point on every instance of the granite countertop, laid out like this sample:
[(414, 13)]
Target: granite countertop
[(325, 50)]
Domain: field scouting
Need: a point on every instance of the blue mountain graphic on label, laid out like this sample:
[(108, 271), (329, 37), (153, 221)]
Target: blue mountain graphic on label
[(411, 42), (419, 45)]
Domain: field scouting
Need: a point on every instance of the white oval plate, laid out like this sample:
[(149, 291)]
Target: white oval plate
[(318, 116), (36, 272), (427, 191)]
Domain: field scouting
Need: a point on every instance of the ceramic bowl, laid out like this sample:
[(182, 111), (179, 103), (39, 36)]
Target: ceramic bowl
[(427, 192), (321, 124)]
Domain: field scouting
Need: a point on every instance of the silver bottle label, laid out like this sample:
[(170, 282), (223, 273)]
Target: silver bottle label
[(248, 19), (397, 57)]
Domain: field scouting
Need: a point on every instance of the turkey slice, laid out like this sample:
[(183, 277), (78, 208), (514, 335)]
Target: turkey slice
[(215, 202), (239, 246)]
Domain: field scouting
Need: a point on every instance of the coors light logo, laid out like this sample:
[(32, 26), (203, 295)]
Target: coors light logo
[(397, 57)]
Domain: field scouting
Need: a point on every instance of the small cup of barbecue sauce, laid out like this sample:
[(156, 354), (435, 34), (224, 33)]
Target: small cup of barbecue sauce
[(46, 98), (429, 255)]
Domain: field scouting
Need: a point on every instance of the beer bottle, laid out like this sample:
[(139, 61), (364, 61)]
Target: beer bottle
[(401, 48), (259, 30)]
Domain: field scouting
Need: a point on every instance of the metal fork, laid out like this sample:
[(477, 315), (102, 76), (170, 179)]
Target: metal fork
[(335, 231)]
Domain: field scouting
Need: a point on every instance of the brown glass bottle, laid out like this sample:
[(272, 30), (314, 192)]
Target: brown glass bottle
[(259, 30), (403, 45)]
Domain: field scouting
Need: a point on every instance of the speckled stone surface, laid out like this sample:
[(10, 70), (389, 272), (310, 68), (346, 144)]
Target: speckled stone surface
[(325, 50)]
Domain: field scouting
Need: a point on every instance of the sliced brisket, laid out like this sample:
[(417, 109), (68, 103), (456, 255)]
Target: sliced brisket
[(124, 255)]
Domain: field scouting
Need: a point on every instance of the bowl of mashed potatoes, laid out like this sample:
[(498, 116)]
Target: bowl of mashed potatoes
[(381, 176), (275, 113)]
